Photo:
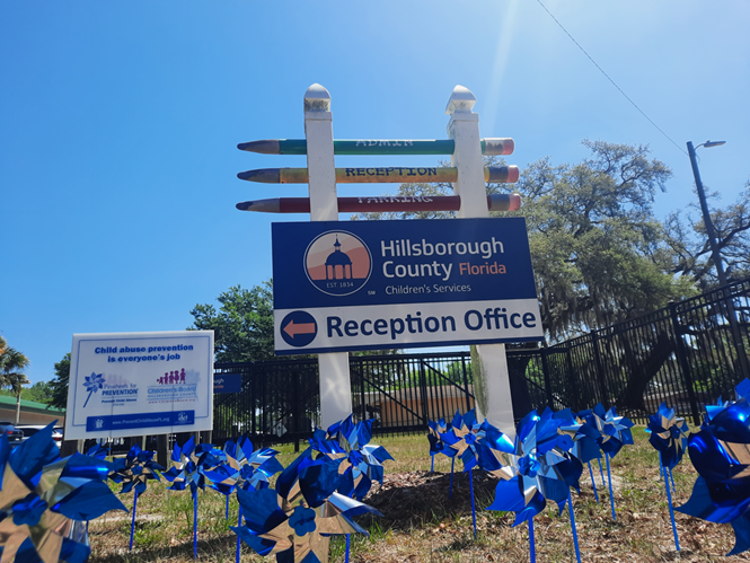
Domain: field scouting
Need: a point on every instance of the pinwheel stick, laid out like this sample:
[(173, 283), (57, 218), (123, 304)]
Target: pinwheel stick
[(348, 547), (195, 523), (611, 496), (473, 509), (593, 482), (132, 523), (671, 510), (573, 526), (239, 523), (532, 548)]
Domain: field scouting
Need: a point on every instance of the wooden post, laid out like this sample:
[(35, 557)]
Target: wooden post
[(335, 383), (493, 391)]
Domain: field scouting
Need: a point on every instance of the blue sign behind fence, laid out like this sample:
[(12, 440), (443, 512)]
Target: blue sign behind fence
[(390, 284), (228, 383)]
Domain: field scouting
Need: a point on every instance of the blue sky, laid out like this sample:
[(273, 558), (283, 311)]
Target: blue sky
[(119, 122)]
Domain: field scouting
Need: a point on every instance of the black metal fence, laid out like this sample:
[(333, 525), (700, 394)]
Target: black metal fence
[(686, 355)]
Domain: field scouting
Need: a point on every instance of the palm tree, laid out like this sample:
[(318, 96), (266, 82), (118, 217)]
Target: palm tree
[(11, 363)]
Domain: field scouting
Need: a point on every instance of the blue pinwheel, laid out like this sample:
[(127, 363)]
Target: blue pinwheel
[(435, 438), (134, 471), (720, 452), (191, 464), (535, 468), (668, 435), (92, 382), (461, 437), (255, 467), (44, 500), (295, 520), (585, 440), (615, 433), (362, 463)]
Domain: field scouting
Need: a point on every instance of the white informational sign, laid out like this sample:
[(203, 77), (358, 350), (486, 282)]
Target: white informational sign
[(136, 384)]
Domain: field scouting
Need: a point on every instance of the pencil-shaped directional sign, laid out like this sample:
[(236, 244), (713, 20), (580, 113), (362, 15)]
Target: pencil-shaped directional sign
[(380, 175), (496, 202), (299, 146)]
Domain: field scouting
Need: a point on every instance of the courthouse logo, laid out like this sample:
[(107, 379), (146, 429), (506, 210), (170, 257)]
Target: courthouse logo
[(338, 263)]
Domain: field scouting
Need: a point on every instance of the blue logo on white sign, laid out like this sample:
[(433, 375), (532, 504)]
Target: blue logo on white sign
[(299, 328), (92, 383), (338, 263)]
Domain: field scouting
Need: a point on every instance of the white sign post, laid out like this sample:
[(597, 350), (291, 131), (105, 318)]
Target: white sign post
[(136, 384), (492, 381), (335, 382)]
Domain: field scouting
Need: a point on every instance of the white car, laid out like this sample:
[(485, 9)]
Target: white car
[(31, 429)]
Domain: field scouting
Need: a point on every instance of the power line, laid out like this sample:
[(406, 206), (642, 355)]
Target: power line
[(610, 79)]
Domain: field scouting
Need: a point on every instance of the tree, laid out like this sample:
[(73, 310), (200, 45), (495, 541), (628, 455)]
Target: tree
[(59, 385), (12, 362), (691, 250), (243, 325), (599, 254)]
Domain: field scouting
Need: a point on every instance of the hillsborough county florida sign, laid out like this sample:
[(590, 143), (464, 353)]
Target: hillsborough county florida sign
[(400, 284)]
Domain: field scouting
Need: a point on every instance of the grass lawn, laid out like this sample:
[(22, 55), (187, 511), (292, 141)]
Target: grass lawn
[(421, 523)]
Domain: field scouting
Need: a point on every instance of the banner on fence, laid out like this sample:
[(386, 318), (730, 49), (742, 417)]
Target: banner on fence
[(361, 285), (135, 384)]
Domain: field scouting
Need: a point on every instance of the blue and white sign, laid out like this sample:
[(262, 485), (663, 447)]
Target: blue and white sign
[(136, 384), (361, 285), (228, 383)]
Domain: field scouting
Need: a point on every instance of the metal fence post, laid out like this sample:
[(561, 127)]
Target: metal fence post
[(423, 393), (466, 384), (687, 377), (547, 380), (599, 369)]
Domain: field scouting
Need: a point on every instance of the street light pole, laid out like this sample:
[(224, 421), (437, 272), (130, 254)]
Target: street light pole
[(744, 368), (715, 253)]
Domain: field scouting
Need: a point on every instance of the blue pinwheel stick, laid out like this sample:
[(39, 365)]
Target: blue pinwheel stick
[(668, 435)]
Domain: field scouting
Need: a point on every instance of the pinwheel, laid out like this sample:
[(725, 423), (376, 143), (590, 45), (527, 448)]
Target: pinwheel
[(295, 520), (615, 433), (720, 452), (41, 497), (461, 437), (584, 437), (93, 383), (668, 435), (454, 443), (250, 469), (535, 468), (437, 446), (191, 464), (134, 471), (361, 463)]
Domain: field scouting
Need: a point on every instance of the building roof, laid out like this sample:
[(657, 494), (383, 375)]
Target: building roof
[(27, 405)]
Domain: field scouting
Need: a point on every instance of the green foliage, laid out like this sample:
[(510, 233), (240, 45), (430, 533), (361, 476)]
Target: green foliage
[(40, 392), (243, 324), (691, 251), (59, 385), (599, 254)]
